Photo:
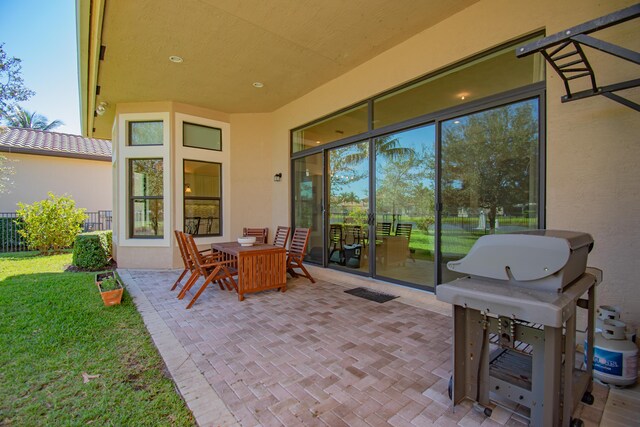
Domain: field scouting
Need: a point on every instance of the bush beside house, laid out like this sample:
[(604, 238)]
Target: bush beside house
[(52, 224), (92, 250)]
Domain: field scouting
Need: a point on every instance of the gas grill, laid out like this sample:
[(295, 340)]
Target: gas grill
[(514, 324)]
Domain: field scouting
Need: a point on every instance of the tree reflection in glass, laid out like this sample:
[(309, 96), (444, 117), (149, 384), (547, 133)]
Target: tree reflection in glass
[(489, 175)]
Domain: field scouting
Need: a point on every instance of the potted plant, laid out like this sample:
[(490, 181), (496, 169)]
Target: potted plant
[(110, 287)]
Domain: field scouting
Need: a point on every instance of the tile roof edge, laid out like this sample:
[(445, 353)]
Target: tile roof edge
[(51, 153)]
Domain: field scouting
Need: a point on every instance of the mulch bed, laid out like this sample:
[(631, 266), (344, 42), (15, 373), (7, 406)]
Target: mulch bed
[(109, 267)]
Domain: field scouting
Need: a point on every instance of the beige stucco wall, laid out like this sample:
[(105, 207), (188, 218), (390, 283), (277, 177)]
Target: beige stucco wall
[(252, 173), (88, 182), (593, 145)]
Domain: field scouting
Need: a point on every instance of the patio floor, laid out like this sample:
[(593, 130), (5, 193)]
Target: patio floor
[(312, 356)]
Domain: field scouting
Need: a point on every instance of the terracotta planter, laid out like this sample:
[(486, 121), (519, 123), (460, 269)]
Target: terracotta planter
[(112, 297)]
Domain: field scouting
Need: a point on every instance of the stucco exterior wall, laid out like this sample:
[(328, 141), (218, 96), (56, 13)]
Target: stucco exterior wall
[(593, 147), (88, 182), (252, 173)]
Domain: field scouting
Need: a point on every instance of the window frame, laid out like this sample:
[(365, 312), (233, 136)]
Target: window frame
[(219, 199), (133, 197), (184, 144), (129, 133)]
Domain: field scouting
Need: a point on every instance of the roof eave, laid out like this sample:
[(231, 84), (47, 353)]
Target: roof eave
[(89, 16)]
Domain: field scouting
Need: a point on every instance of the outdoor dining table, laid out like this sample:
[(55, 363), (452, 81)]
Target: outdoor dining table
[(260, 267)]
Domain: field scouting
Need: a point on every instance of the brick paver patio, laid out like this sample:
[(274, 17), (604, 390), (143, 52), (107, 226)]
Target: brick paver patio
[(312, 356)]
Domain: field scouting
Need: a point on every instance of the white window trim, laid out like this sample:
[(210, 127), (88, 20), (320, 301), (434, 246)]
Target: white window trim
[(124, 154), (200, 154)]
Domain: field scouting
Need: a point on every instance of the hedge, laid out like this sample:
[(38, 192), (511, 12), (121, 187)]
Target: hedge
[(92, 250)]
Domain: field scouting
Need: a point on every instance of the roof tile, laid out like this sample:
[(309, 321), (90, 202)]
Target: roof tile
[(53, 143)]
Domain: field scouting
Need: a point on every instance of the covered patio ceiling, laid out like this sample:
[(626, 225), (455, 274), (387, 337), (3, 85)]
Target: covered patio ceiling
[(290, 46)]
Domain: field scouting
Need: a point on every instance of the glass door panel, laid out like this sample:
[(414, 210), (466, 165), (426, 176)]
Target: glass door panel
[(489, 176), (348, 207), (307, 196), (405, 206)]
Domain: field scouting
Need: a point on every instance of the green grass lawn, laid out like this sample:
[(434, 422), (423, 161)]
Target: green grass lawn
[(54, 327)]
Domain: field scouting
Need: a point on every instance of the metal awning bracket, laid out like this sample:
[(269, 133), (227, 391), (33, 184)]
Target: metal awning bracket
[(564, 52)]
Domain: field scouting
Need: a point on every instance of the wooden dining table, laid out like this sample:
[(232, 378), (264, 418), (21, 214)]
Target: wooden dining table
[(260, 267)]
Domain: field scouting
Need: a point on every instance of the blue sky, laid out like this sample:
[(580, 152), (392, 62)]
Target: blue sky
[(42, 33)]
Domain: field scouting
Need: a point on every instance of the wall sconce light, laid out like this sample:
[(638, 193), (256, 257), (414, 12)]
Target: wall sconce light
[(187, 188), (277, 177), (102, 108)]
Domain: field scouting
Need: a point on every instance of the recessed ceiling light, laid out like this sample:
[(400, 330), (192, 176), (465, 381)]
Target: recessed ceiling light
[(258, 84), (176, 59), (456, 122)]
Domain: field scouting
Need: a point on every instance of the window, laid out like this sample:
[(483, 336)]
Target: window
[(489, 180), (199, 136), (485, 76), (342, 125), (145, 133), (444, 160), (146, 198), (202, 198)]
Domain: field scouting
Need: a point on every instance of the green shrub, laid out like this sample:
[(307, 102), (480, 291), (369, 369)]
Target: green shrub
[(92, 250), (50, 224)]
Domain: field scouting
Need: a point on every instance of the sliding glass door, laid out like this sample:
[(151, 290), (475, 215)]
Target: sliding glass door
[(400, 205), (405, 206), (347, 225), (307, 202)]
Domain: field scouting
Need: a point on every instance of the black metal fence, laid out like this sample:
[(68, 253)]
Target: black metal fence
[(12, 241)]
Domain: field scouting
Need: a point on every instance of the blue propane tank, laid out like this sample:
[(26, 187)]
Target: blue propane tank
[(615, 358)]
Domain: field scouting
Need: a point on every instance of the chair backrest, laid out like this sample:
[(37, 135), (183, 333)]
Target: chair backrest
[(196, 256), (259, 233), (282, 235), (299, 241), (404, 230), (184, 252), (352, 234), (383, 229), (335, 235)]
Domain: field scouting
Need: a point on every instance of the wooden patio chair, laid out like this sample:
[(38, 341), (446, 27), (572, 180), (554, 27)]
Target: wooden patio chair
[(186, 259), (219, 271), (297, 251), (259, 233), (282, 236)]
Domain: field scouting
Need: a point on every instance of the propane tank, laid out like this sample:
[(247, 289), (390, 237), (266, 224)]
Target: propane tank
[(615, 358), (606, 312)]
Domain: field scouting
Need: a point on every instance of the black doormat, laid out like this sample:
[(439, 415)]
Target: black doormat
[(371, 295)]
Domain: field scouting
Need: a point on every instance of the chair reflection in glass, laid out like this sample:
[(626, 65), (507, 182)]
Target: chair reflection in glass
[(405, 231), (192, 225), (383, 229), (335, 244)]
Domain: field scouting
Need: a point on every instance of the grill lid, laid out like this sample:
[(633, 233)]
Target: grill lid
[(522, 257)]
